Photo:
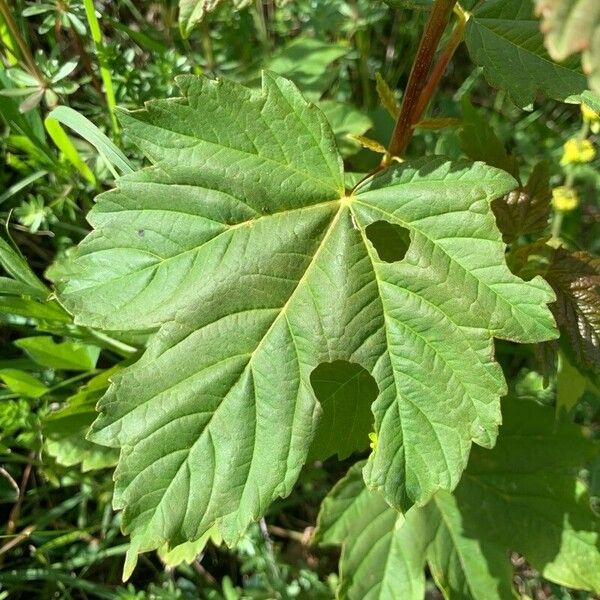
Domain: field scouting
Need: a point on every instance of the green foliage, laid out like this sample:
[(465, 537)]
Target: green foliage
[(193, 12), (345, 392), (68, 356), (345, 121), (307, 62), (466, 547), (20, 382), (87, 130), (66, 429), (480, 142), (276, 300), (503, 37), (287, 180), (21, 274)]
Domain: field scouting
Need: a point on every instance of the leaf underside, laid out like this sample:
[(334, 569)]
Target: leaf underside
[(522, 496), (575, 278), (526, 210), (571, 27), (241, 248)]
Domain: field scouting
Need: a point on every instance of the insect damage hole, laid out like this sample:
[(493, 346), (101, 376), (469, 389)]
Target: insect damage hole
[(345, 391), (390, 241)]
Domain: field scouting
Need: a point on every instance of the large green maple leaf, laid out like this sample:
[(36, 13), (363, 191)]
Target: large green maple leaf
[(242, 249), (522, 496)]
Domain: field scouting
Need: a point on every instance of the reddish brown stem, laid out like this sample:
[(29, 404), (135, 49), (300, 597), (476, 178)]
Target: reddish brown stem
[(438, 20), (438, 70)]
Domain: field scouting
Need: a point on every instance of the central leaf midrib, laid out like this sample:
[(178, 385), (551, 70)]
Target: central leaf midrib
[(313, 260), (281, 312)]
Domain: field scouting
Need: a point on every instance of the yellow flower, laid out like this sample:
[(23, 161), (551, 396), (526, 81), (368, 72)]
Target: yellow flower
[(589, 114), (591, 117), (373, 438), (578, 151), (564, 198)]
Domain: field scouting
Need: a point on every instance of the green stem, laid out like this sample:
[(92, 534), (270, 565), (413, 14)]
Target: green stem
[(438, 20), (207, 47), (584, 131), (557, 221), (120, 348), (258, 15), (363, 45), (73, 379), (109, 93)]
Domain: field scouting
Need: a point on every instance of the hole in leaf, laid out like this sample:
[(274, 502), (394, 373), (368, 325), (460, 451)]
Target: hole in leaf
[(390, 241), (345, 391)]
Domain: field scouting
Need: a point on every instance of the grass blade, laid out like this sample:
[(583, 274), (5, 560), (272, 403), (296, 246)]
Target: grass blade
[(65, 145), (90, 13), (88, 131)]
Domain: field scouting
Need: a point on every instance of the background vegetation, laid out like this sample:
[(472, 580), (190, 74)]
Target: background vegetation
[(60, 536)]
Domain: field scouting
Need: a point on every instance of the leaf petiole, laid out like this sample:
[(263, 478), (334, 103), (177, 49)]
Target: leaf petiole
[(417, 81)]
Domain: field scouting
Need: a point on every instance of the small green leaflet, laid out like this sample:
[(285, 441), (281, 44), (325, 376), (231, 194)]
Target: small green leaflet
[(20, 271), (242, 248), (68, 356), (22, 383), (308, 63), (73, 449), (65, 430), (345, 120), (503, 37), (345, 392), (522, 496), (193, 12), (591, 99), (479, 141)]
